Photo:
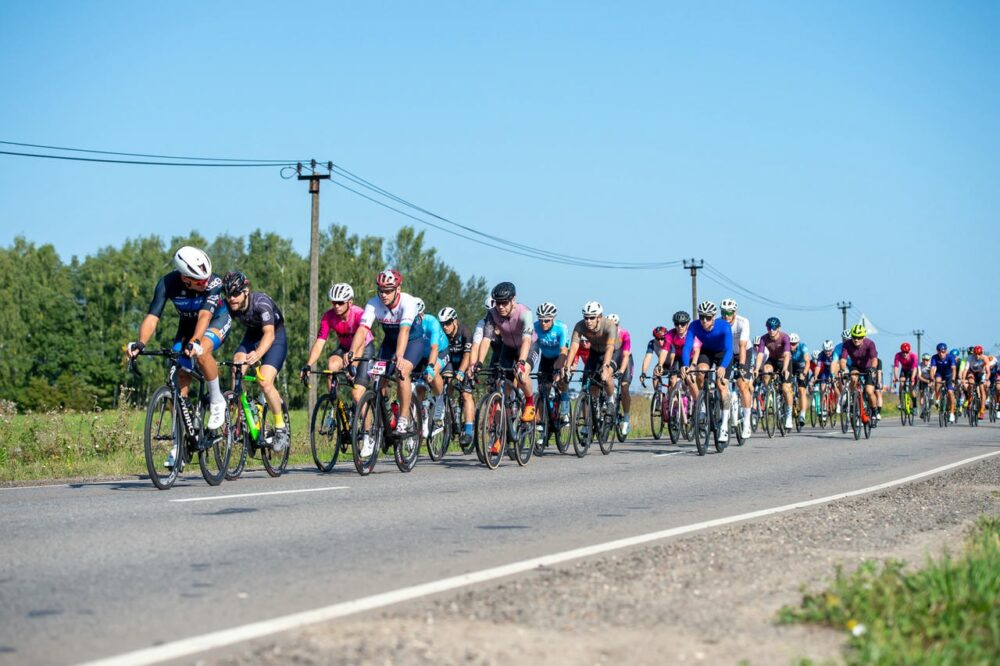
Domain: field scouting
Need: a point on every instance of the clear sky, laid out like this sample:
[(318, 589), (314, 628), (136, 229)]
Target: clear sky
[(812, 152)]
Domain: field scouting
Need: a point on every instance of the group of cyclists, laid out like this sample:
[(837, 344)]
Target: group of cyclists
[(420, 344)]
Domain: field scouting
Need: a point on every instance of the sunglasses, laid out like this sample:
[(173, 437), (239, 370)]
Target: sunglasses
[(193, 282), (390, 290), (502, 303), (706, 317), (728, 313), (339, 302), (545, 321), (590, 318)]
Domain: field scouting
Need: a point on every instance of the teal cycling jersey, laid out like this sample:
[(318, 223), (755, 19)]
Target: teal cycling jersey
[(837, 354), (434, 335), (552, 341), (799, 354)]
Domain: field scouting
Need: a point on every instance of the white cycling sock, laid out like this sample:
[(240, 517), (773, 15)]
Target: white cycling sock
[(214, 391), (725, 417)]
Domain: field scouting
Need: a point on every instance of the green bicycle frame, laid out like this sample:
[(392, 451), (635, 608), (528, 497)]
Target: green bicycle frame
[(253, 424)]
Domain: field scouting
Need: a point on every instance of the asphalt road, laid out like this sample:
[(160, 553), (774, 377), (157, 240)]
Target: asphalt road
[(98, 569)]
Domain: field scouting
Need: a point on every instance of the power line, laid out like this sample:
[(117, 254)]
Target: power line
[(161, 157), (723, 280), (143, 163)]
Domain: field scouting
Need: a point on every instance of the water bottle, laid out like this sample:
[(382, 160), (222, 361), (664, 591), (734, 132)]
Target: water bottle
[(816, 404), (394, 407)]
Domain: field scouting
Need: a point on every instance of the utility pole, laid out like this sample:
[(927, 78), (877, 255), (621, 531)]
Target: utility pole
[(919, 332), (314, 177), (693, 265), (843, 305)]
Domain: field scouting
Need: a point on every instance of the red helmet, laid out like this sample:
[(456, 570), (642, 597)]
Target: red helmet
[(390, 277), (905, 347), (660, 332), (978, 350)]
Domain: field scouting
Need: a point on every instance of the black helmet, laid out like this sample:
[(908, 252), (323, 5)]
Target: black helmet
[(681, 317), (234, 283), (504, 291)]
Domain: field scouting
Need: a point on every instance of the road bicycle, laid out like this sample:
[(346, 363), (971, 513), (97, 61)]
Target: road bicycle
[(736, 411), (906, 411), (942, 404), (373, 429), (708, 413), (974, 406), (553, 423), (595, 416), (679, 410), (175, 428), (925, 398), (330, 424), (766, 395), (657, 406), (861, 413), (251, 431), (499, 427), (452, 418)]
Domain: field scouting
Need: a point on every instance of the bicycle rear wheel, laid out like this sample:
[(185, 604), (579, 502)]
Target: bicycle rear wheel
[(367, 429), (407, 448), (325, 436), (275, 462), (162, 434), (492, 438), (583, 425), (241, 441), (656, 415)]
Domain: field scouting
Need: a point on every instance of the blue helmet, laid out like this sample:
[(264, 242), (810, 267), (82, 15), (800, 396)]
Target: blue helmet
[(941, 346), (773, 323), (954, 352)]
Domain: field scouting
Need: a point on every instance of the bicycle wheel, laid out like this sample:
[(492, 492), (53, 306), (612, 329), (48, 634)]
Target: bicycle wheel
[(368, 428), (716, 424), (869, 423), (583, 425), (856, 408), (275, 462), (523, 442), (213, 457), (901, 403), (241, 441), (702, 423), (407, 448), (770, 412), (436, 442), (740, 440), (606, 419), (161, 435), (561, 429), (543, 407), (974, 411), (620, 432), (674, 415), (656, 415), (781, 409), (324, 434), (492, 437)]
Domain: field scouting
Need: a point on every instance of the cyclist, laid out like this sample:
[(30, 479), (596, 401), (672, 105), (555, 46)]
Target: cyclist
[(602, 335), (626, 367), (774, 353), (477, 333), (653, 348), (825, 365), (459, 360), (741, 361), (435, 356), (799, 363), (904, 366), (403, 345), (343, 320), (960, 387), (511, 325), (263, 341), (196, 293), (553, 346), (924, 381), (864, 362), (673, 346), (975, 371), (716, 337), (943, 367)]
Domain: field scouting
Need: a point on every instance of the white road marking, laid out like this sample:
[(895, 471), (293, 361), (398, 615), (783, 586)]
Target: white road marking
[(211, 498), (218, 639), (669, 453)]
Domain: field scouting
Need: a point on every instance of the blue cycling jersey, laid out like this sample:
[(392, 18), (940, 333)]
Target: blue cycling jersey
[(799, 354), (945, 366), (552, 341), (434, 335), (837, 354), (717, 341)]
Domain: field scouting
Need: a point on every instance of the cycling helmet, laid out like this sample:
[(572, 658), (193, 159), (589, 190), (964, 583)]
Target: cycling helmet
[(772, 323), (859, 331), (504, 291), (446, 314), (390, 277), (193, 263), (421, 308), (234, 283), (828, 345), (681, 317), (756, 341), (941, 346), (547, 310), (729, 305), (614, 319), (341, 291), (707, 309), (846, 334), (977, 350), (925, 357), (905, 347), (592, 309), (660, 332), (793, 339), (954, 352), (489, 303), (969, 350)]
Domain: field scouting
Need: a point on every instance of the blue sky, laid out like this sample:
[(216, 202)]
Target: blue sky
[(811, 151)]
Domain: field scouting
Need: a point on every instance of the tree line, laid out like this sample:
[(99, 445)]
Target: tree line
[(63, 325)]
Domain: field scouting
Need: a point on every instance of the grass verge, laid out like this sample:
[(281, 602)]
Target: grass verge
[(946, 613)]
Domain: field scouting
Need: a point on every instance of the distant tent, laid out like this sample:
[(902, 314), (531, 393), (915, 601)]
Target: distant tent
[(867, 323)]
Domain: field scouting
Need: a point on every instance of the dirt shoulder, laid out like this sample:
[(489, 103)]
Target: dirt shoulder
[(705, 598)]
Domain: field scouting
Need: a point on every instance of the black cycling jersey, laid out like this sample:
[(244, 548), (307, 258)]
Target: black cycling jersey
[(190, 303), (260, 311), (459, 344)]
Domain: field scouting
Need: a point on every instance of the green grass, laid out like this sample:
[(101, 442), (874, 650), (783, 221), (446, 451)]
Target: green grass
[(946, 613)]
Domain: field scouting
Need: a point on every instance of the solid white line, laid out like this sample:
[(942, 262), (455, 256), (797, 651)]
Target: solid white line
[(211, 498), (669, 453), (196, 644)]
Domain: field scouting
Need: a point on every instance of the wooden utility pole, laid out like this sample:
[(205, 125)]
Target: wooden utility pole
[(919, 332), (843, 306), (694, 265), (314, 177)]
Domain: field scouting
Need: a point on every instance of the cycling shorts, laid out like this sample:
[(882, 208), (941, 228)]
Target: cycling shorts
[(275, 354)]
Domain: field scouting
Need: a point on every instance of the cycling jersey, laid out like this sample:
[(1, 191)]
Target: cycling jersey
[(904, 361), (838, 353), (716, 343), (925, 371), (799, 355), (459, 344), (741, 333), (190, 303), (434, 335), (944, 367), (863, 356), (624, 340), (674, 342), (510, 330), (653, 347), (392, 319), (343, 327), (552, 341), (976, 365), (260, 311), (606, 333), (774, 349)]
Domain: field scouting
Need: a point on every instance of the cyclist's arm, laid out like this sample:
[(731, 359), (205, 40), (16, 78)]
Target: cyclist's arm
[(358, 343), (148, 327), (645, 362), (463, 366), (317, 348), (786, 359), (204, 319)]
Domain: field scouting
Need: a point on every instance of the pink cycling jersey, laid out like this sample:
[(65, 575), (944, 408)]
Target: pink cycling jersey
[(675, 342), (908, 361), (344, 328), (625, 338)]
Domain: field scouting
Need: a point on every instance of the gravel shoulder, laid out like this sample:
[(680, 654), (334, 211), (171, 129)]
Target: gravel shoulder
[(705, 598)]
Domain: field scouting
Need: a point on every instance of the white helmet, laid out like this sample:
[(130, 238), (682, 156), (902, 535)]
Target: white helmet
[(846, 335), (756, 341), (828, 345), (446, 314), (489, 302), (707, 309), (614, 319), (547, 310), (341, 292), (728, 305), (193, 263), (592, 309), (420, 305), (793, 338)]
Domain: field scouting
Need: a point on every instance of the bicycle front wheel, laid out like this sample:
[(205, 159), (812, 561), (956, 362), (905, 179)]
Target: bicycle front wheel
[(274, 461), (702, 420), (241, 443), (583, 425), (213, 459), (325, 434), (162, 435), (407, 447), (656, 415), (492, 431), (367, 433)]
